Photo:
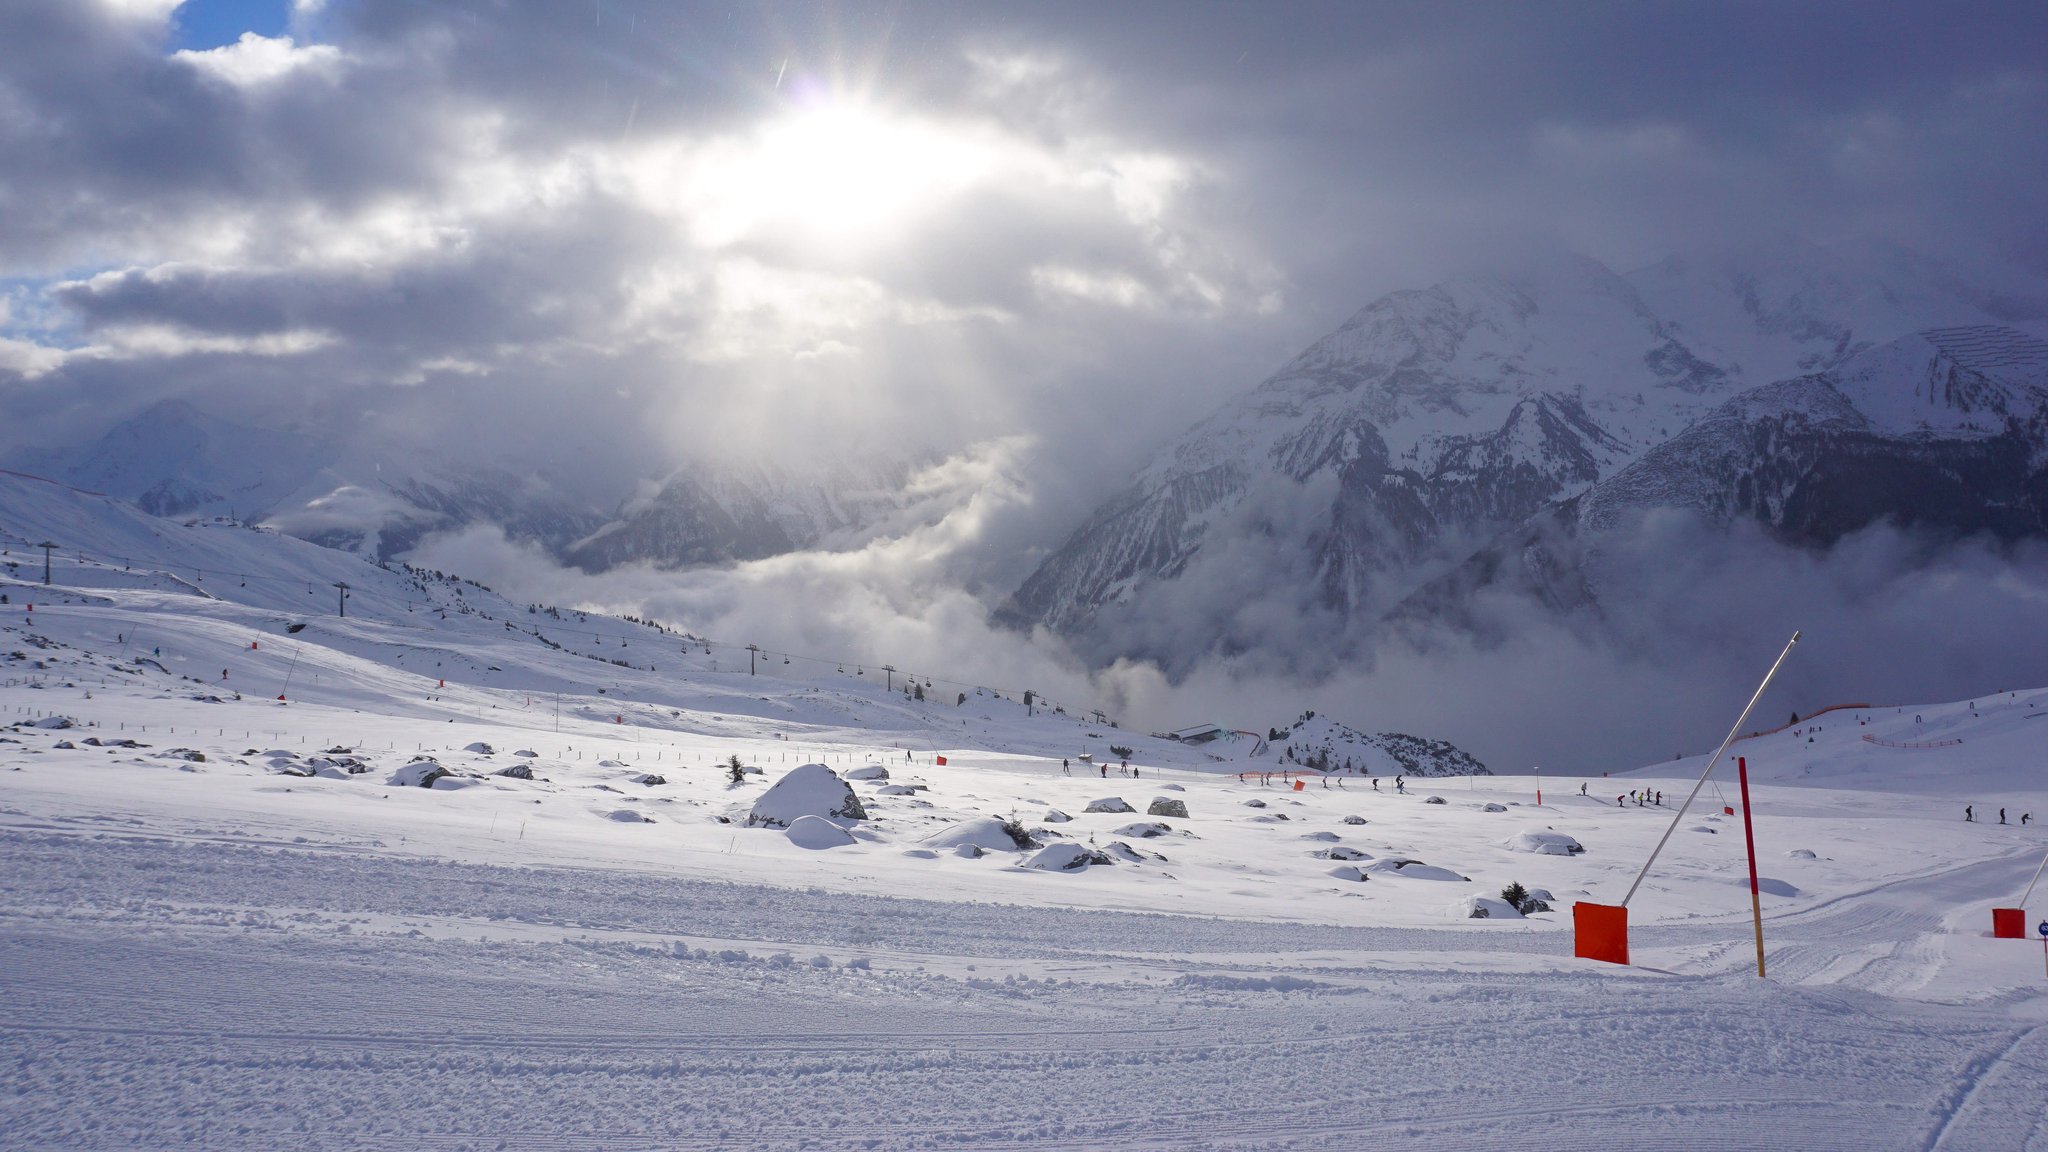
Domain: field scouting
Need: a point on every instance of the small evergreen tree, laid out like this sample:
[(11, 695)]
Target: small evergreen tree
[(735, 771), (1515, 894)]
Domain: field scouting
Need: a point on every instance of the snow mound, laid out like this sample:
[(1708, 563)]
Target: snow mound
[(628, 816), (418, 774), (807, 790), (1354, 819), (650, 779), (1494, 808), (816, 832), (1412, 869), (526, 752), (868, 772), (1544, 843), (1109, 804), (902, 789), (1801, 854), (1769, 886), (53, 722), (1320, 836), (1348, 872), (1055, 816), (1340, 852), (1066, 858), (985, 833), (1125, 852), (480, 748), (1485, 908), (611, 764), (1435, 800)]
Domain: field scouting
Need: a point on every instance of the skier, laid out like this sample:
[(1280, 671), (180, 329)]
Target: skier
[(223, 675), (1375, 783), (1582, 788), (1969, 813), (2001, 815), (1660, 799), (2024, 817), (1066, 769), (1618, 802), (1105, 769)]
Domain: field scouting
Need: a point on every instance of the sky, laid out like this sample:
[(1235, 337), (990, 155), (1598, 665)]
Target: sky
[(1029, 241)]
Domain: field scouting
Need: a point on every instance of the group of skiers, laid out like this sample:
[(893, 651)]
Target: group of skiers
[(1970, 816), (1642, 797)]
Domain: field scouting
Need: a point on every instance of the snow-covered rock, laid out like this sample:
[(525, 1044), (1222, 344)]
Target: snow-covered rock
[(1354, 818), (53, 722), (868, 772), (1412, 869), (480, 748), (1145, 830), (1066, 857), (1055, 816), (806, 790), (818, 832), (1493, 807), (1348, 872), (1485, 908), (1544, 843), (1109, 804), (1341, 852), (986, 833), (628, 816), (418, 774), (1167, 806)]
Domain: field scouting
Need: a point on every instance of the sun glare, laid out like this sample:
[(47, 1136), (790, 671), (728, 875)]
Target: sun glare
[(835, 173)]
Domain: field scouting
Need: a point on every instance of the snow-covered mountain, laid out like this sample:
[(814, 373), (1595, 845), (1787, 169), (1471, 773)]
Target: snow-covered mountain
[(1945, 431), (1434, 419), (347, 489)]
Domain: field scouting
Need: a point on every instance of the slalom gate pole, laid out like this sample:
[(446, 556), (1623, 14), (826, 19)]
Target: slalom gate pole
[(1756, 900), (1716, 759)]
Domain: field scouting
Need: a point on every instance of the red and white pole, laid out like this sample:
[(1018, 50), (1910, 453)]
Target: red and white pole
[(1756, 902)]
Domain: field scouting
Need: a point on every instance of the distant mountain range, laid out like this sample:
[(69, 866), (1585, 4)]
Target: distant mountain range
[(1378, 471)]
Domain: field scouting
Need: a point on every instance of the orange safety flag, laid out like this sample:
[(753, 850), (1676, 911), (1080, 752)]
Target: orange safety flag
[(1300, 784), (2009, 923), (941, 761), (1601, 932)]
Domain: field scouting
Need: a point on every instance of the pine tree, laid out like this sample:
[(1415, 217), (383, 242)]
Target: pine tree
[(735, 771)]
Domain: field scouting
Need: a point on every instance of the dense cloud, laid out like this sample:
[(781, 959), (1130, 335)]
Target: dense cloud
[(1026, 242)]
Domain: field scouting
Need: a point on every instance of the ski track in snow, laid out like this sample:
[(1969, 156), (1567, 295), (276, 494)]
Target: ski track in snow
[(159, 992)]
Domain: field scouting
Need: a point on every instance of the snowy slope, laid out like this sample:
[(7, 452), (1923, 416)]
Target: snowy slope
[(238, 923)]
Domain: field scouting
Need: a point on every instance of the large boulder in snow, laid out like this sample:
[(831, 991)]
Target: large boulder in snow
[(418, 774), (1544, 843), (1109, 804), (868, 772), (806, 790), (987, 833), (817, 832), (1066, 858), (1167, 806), (53, 722)]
